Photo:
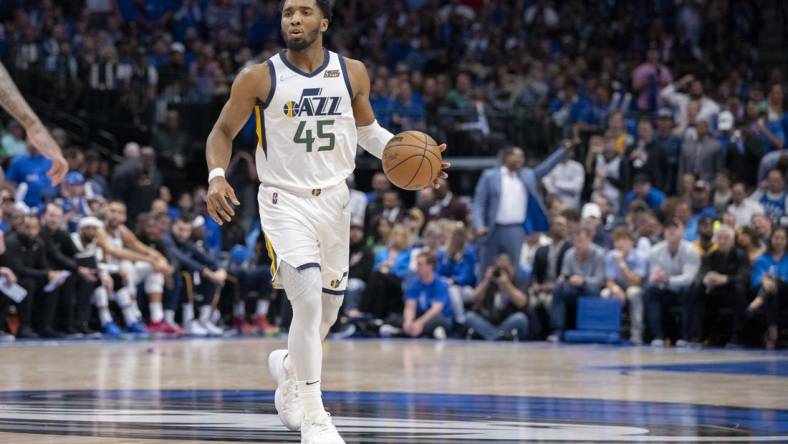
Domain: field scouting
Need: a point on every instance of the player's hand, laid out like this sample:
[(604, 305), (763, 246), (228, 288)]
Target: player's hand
[(220, 195), (444, 167), (39, 137)]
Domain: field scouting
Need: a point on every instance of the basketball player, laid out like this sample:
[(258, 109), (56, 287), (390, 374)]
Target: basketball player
[(312, 109), (137, 263), (37, 135)]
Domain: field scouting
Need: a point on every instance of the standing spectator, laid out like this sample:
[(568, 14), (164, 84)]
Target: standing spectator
[(774, 197), (646, 156), (566, 181), (427, 306), (582, 274), (769, 278), (705, 240), (28, 173), (673, 263), (770, 124), (701, 157), (669, 145), (680, 101), (507, 205), (625, 271), (137, 183), (648, 79), (548, 261), (609, 173), (500, 304), (456, 262), (721, 281), (742, 207)]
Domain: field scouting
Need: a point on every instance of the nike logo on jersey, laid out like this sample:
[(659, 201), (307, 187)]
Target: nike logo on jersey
[(283, 77), (313, 104)]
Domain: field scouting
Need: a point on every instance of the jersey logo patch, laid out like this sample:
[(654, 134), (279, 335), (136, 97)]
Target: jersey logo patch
[(331, 73), (313, 104)]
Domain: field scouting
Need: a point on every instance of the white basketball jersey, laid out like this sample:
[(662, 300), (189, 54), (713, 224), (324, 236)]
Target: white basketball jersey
[(306, 130)]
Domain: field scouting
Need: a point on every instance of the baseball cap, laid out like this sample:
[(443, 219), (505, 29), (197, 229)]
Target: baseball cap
[(725, 121), (74, 178), (591, 210), (665, 113)]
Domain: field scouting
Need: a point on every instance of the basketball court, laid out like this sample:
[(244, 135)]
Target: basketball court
[(392, 391)]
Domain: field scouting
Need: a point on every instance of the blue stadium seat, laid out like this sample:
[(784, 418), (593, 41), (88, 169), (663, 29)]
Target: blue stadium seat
[(598, 321)]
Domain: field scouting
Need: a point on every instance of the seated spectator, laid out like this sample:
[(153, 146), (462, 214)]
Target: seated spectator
[(774, 197), (380, 237), (592, 219), (762, 227), (13, 140), (625, 271), (26, 257), (361, 261), (746, 240), (769, 278), (701, 157), (700, 207), (198, 280), (500, 304), (9, 277), (582, 274), (721, 281), (456, 262), (644, 191), (89, 291), (548, 261), (75, 205), (705, 240), (447, 205), (383, 294), (742, 207), (74, 296), (427, 307), (673, 263), (608, 173), (566, 181), (722, 192)]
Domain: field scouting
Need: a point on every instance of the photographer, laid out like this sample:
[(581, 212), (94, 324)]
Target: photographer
[(500, 304)]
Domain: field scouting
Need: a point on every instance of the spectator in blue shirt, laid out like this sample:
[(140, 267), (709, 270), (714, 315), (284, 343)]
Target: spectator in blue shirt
[(74, 204), (769, 277), (625, 270), (457, 263), (643, 190), (31, 170), (427, 306)]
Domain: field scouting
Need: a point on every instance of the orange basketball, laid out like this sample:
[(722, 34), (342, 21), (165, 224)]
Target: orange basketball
[(412, 160)]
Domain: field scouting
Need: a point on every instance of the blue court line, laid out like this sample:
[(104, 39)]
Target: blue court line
[(753, 368)]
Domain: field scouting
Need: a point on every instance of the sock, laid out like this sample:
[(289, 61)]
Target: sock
[(156, 312), (169, 316), (262, 307), (129, 315), (303, 341), (311, 398), (127, 306), (239, 309), (331, 305), (187, 312), (205, 313), (104, 315)]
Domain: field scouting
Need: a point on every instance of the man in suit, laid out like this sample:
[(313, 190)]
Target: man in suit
[(507, 205)]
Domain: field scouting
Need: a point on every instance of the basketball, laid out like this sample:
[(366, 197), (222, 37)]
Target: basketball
[(412, 160)]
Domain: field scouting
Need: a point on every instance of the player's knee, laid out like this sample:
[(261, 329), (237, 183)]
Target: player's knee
[(154, 283), (100, 298)]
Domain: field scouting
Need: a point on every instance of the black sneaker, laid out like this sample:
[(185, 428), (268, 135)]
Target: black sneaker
[(50, 333), (27, 333)]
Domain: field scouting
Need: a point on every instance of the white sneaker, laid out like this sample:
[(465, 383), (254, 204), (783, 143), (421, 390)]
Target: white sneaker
[(682, 343), (286, 400), (439, 333), (657, 343), (211, 328), (320, 430), (194, 328), (387, 331)]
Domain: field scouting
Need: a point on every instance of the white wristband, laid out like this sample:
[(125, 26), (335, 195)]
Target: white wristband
[(216, 172)]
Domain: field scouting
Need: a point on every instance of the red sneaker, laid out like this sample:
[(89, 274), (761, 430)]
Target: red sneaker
[(164, 328), (243, 327), (264, 326)]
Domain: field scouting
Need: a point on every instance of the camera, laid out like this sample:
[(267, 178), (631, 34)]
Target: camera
[(497, 273)]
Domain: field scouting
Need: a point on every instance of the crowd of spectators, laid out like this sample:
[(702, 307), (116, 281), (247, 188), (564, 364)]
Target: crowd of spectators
[(663, 184)]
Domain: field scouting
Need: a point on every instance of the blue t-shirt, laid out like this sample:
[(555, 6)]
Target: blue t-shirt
[(654, 198), (401, 262), (427, 294), (634, 260), (31, 170), (774, 206), (462, 271), (764, 264)]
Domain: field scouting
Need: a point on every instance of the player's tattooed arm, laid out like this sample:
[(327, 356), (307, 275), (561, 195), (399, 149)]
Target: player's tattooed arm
[(12, 101)]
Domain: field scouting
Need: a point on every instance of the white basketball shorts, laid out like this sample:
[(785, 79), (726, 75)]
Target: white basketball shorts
[(308, 229)]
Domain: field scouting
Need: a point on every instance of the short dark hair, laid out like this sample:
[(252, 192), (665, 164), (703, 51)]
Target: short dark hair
[(428, 257), (623, 232), (324, 5)]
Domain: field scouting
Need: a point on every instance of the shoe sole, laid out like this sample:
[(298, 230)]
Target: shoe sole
[(278, 403)]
